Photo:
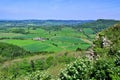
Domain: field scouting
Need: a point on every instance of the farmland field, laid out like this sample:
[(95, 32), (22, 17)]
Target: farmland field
[(65, 39)]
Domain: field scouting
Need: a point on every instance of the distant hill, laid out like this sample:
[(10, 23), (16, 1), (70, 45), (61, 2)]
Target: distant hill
[(95, 25), (8, 23), (98, 25)]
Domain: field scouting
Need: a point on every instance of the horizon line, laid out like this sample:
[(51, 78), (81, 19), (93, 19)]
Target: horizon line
[(56, 19)]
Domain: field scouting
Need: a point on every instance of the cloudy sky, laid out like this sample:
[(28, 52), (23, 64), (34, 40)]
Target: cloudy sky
[(60, 9)]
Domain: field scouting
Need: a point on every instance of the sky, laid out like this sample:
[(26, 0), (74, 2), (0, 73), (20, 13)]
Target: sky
[(59, 9)]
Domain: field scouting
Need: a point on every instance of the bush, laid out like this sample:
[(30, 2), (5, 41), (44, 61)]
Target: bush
[(102, 70), (39, 76), (84, 69), (78, 70)]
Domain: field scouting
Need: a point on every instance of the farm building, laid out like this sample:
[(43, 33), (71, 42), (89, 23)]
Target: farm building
[(39, 39)]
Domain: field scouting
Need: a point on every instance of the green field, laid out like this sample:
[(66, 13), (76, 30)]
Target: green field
[(65, 39), (9, 35), (39, 46)]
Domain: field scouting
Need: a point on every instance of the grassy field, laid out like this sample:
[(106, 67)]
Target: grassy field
[(49, 46), (66, 39), (9, 35)]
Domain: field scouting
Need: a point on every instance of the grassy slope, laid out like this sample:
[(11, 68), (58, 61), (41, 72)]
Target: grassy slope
[(23, 65), (99, 25), (112, 34), (9, 52)]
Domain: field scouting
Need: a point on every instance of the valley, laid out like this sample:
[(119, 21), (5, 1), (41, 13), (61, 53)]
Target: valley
[(32, 49)]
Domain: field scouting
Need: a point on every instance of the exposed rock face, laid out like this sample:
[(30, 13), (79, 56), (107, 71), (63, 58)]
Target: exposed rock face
[(90, 54), (106, 42)]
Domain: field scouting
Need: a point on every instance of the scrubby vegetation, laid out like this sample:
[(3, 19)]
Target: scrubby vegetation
[(86, 70), (99, 25), (8, 51)]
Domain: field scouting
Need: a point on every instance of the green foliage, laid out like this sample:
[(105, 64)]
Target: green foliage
[(108, 69), (84, 69), (99, 25), (79, 70), (39, 76), (117, 61), (18, 30), (111, 34), (102, 70), (66, 59), (24, 67)]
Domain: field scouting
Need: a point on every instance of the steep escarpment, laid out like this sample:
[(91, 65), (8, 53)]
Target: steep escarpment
[(105, 55), (108, 41)]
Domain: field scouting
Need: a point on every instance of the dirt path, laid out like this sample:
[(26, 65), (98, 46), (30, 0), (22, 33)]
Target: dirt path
[(87, 41)]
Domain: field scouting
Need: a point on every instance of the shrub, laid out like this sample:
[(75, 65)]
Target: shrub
[(102, 70), (78, 70), (39, 76), (84, 69)]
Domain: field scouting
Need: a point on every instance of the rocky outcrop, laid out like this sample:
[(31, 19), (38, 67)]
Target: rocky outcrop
[(90, 54), (105, 42)]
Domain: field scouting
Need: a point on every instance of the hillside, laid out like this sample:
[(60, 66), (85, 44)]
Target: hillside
[(25, 23), (99, 25), (105, 64), (53, 49), (9, 52), (108, 40)]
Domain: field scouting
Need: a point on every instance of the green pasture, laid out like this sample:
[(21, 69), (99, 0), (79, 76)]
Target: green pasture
[(10, 35), (33, 46), (49, 45), (88, 30)]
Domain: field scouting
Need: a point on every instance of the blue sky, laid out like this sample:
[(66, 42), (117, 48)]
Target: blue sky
[(60, 9)]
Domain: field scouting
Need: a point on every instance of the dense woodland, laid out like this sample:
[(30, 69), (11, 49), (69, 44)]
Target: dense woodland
[(57, 50)]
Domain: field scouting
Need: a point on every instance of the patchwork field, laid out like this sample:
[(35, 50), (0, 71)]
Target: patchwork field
[(41, 40)]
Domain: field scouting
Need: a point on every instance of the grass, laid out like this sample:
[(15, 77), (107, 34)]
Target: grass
[(33, 46), (39, 46), (67, 39), (9, 35), (88, 30)]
